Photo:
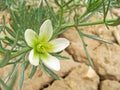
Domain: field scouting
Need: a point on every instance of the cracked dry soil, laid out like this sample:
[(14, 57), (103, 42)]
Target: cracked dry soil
[(75, 73)]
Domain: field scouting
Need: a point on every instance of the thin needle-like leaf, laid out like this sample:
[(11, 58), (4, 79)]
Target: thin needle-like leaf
[(55, 76), (97, 38), (34, 69)]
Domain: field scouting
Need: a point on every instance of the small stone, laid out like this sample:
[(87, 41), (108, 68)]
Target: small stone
[(90, 73), (116, 34)]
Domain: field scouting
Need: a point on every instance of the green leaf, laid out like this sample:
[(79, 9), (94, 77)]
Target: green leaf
[(8, 2), (93, 5), (12, 41), (117, 22), (9, 40), (13, 55), (105, 11), (51, 12), (34, 69), (85, 48), (6, 59), (97, 38), (2, 5), (11, 72), (2, 50), (27, 63), (22, 75), (4, 84), (60, 56), (50, 72), (11, 32), (40, 12), (1, 28), (57, 3), (13, 80), (56, 33)]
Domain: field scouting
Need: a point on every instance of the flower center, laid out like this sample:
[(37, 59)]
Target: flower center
[(44, 47)]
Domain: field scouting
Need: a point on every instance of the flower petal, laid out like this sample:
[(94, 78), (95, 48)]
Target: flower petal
[(46, 31), (31, 37), (59, 44), (34, 58), (50, 61)]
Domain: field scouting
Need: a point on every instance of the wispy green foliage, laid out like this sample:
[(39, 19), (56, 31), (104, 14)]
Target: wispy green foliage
[(22, 75), (11, 84), (64, 14), (50, 72), (32, 71), (5, 60)]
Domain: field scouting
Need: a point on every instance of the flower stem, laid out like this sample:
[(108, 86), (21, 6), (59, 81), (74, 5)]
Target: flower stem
[(83, 15), (85, 47), (61, 13), (19, 53), (87, 24)]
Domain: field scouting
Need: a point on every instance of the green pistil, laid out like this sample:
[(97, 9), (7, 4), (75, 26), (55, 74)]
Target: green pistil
[(44, 47)]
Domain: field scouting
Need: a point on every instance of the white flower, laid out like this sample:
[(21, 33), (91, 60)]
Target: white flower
[(42, 46)]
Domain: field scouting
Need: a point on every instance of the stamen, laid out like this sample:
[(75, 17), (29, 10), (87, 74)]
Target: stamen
[(44, 47)]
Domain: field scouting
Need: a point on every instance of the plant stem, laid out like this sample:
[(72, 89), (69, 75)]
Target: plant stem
[(64, 26), (61, 13), (85, 47), (83, 15), (60, 19), (19, 53)]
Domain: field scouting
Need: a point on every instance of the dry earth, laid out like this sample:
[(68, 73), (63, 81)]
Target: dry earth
[(76, 73)]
